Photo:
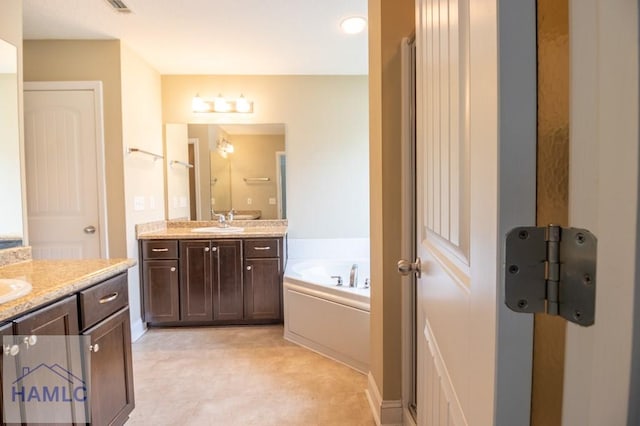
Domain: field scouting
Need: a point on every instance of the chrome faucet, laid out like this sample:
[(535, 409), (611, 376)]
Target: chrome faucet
[(222, 220), (230, 215), (353, 276)]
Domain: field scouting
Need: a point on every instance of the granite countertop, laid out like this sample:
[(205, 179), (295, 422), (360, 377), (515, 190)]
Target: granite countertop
[(184, 229), (53, 279)]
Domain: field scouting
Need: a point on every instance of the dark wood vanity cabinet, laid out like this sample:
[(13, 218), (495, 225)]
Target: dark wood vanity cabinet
[(161, 281), (263, 271), (195, 279), (221, 281), (104, 317), (211, 281), (227, 280), (6, 330), (100, 312)]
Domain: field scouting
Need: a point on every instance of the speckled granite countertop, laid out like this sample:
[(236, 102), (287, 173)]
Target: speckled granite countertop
[(53, 279), (184, 229)]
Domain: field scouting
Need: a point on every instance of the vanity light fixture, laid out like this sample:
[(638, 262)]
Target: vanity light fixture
[(221, 104), (224, 147), (353, 24)]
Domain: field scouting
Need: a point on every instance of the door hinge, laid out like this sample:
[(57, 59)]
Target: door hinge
[(552, 269)]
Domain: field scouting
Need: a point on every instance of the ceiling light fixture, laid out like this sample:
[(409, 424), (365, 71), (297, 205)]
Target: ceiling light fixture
[(353, 24), (221, 104)]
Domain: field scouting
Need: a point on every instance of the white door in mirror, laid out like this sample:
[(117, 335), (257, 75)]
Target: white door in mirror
[(11, 289)]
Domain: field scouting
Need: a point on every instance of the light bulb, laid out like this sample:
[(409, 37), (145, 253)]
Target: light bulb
[(199, 105), (242, 105), (220, 104)]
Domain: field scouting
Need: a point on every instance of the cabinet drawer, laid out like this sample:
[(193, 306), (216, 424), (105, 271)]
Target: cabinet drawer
[(100, 301), (160, 249), (262, 248)]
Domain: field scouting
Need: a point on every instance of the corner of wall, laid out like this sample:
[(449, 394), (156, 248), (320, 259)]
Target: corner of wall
[(385, 413)]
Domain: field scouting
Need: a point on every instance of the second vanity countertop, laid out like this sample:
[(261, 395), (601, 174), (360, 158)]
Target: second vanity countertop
[(184, 229), (54, 279)]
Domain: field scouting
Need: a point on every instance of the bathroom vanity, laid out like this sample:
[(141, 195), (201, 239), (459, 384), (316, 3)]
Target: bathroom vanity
[(72, 298), (195, 274)]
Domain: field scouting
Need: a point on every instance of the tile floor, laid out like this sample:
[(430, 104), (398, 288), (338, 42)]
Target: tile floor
[(241, 376)]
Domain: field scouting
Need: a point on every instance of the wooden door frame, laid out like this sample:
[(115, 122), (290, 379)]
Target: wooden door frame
[(96, 88)]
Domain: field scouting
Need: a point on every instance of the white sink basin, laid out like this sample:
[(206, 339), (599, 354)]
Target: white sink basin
[(218, 229), (13, 288)]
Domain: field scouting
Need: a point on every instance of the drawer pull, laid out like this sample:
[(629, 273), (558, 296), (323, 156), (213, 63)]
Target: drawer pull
[(160, 250), (106, 299), (262, 248), (214, 248)]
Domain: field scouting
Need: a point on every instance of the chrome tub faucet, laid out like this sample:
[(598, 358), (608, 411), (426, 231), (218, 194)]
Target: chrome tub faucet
[(353, 276)]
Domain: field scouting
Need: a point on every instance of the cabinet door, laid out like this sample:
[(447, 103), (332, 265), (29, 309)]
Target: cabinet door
[(5, 331), (57, 319), (262, 289), (227, 280), (195, 281), (111, 385), (160, 291)]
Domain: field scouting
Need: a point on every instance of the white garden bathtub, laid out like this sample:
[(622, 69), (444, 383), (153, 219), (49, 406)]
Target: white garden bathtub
[(326, 318)]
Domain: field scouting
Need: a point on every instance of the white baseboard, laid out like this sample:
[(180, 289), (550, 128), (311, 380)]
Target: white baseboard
[(137, 330), (385, 413), (407, 418)]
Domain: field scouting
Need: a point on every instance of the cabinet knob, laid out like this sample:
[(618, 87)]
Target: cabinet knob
[(30, 340), (206, 249), (214, 248), (173, 269), (12, 350), (94, 348), (248, 268)]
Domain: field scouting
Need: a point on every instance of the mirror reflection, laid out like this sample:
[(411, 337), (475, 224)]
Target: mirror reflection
[(10, 187), (239, 168)]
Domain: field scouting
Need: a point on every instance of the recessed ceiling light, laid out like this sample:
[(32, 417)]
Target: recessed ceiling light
[(353, 24)]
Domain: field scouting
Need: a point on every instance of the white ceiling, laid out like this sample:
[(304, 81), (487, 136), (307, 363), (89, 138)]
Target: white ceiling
[(214, 36)]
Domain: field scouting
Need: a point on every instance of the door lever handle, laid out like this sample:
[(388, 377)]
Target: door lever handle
[(406, 267), (90, 229)]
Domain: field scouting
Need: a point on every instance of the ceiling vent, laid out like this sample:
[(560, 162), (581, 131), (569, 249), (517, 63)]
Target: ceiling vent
[(119, 6)]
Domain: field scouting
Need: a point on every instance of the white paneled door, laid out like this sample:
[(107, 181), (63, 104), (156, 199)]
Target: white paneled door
[(602, 366), (476, 142), (63, 167)]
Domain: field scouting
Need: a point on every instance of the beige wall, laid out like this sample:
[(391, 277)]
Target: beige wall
[(143, 177), (327, 136), (74, 60), (255, 156), (11, 32), (389, 22)]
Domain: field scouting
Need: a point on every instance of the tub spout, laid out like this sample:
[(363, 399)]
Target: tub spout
[(353, 276), (339, 278)]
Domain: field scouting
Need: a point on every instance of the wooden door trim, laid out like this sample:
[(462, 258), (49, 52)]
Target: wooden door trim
[(96, 88)]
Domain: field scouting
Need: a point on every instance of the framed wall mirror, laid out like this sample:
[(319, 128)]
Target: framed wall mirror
[(239, 167), (11, 219)]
